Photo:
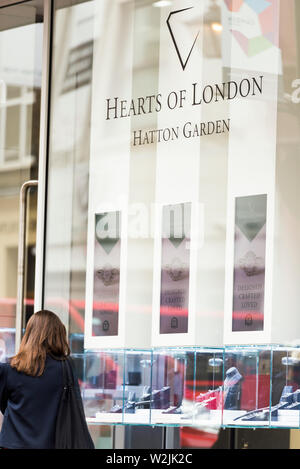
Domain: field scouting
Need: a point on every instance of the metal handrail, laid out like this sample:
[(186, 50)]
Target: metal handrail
[(21, 259)]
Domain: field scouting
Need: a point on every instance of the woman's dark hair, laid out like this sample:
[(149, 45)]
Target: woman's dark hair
[(44, 334)]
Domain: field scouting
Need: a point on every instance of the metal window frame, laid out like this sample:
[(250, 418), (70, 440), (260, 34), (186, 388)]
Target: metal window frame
[(42, 174), (43, 155), (43, 145), (42, 177)]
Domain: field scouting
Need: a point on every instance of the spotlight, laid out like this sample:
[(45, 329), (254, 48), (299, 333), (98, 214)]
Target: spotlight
[(162, 3), (216, 27)]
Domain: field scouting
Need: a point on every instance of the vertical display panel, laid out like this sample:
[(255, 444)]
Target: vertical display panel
[(175, 268), (107, 256), (249, 263)]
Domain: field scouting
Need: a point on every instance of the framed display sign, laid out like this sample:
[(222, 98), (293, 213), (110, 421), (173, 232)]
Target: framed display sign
[(175, 268), (106, 289), (175, 274), (249, 263), (105, 279)]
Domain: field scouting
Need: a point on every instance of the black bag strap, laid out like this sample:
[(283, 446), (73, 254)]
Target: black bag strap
[(3, 400), (68, 378), (69, 375), (70, 371)]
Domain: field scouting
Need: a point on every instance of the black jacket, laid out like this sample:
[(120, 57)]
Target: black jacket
[(30, 406)]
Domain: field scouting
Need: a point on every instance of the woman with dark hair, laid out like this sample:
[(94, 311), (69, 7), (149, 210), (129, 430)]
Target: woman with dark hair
[(31, 385)]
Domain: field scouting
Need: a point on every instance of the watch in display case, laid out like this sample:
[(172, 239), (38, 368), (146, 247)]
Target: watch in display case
[(173, 410), (116, 409), (288, 401), (145, 399), (232, 389), (130, 404)]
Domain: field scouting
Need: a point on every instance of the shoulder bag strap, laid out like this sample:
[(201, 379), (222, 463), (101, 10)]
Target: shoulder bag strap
[(64, 373), (70, 371), (3, 389), (72, 376)]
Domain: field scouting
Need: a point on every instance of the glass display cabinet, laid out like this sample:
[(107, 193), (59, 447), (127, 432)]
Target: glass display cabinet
[(187, 387), (173, 384), (103, 386), (285, 387), (116, 386), (208, 403), (238, 386), (246, 386), (137, 387)]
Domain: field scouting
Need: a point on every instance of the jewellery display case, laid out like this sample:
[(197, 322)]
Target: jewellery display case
[(208, 402), (285, 387), (235, 386), (187, 387), (116, 387), (173, 386), (246, 386), (103, 386), (261, 386), (137, 387)]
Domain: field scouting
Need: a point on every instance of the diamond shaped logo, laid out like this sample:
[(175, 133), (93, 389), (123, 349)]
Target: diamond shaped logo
[(183, 60), (108, 230), (251, 214)]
